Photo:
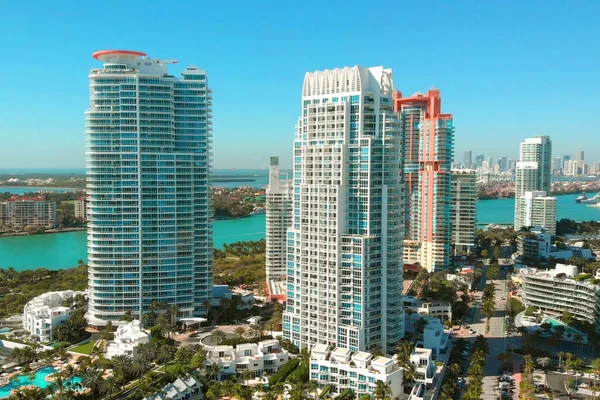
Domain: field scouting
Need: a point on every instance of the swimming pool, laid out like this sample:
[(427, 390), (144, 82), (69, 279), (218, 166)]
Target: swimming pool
[(39, 381), (554, 323)]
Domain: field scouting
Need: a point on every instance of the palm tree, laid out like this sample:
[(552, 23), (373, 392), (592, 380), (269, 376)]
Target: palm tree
[(146, 386), (92, 379), (313, 387), (146, 352), (218, 336), (110, 387), (69, 371), (256, 331), (382, 391), (213, 371), (594, 389), (240, 331), (214, 392), (59, 384), (165, 354), (122, 363), (139, 368)]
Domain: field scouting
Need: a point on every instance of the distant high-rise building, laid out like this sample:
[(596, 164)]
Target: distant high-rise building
[(490, 162), (278, 220), (463, 210), (537, 209), (20, 212), (565, 158), (344, 271), (479, 160), (467, 159), (556, 165), (570, 168), (534, 171), (428, 153), (512, 165), (81, 209), (148, 162), (580, 155), (503, 164)]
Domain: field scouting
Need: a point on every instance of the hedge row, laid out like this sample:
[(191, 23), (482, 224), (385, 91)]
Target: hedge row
[(284, 371)]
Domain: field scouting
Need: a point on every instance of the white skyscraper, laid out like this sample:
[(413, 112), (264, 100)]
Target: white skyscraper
[(279, 218), (537, 209), (463, 209), (534, 171), (345, 244), (148, 160)]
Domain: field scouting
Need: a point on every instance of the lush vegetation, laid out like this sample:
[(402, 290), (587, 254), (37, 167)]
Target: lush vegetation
[(436, 286), (516, 307), (450, 387), (284, 371), (234, 203), (17, 288), (477, 361), (240, 263), (568, 226), (73, 329)]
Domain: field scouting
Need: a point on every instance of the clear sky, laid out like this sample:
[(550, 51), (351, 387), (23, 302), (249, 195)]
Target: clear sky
[(506, 69)]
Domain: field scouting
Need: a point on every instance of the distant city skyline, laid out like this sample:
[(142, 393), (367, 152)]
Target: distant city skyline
[(257, 59)]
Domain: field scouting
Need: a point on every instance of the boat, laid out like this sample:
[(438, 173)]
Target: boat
[(581, 198), (592, 200)]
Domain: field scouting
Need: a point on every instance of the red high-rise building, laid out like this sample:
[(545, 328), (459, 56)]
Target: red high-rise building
[(428, 155)]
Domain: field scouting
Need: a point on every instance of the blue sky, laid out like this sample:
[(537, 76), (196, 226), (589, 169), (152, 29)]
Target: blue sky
[(507, 69)]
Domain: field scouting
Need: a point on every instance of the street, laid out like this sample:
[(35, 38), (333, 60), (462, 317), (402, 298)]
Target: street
[(496, 336)]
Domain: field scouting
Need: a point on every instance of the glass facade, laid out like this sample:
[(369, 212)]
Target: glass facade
[(344, 272), (148, 162)]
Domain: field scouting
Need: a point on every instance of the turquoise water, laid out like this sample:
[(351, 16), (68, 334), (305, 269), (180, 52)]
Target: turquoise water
[(502, 211), (63, 250), (27, 189), (39, 381), (554, 323)]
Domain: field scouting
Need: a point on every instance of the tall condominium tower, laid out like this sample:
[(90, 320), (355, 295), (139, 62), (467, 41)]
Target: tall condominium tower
[(468, 159), (148, 160), (537, 209), (534, 171), (428, 155), (345, 243), (279, 218), (463, 212)]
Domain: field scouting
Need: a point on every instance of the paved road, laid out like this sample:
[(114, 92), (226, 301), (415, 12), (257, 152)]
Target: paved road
[(497, 340)]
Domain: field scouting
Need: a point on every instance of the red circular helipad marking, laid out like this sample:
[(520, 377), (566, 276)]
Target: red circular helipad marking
[(101, 53)]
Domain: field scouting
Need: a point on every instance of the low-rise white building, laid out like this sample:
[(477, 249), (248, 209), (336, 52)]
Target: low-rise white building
[(127, 338), (221, 292), (260, 358), (422, 359), (561, 289), (186, 388), (45, 312), (341, 369), (435, 336), (538, 244), (438, 309)]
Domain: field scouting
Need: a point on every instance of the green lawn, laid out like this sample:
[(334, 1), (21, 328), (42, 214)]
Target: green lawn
[(170, 368), (85, 348)]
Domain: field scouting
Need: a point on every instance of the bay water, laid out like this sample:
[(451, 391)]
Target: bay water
[(63, 250)]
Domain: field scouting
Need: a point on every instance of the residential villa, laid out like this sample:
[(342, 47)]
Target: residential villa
[(45, 312), (342, 369), (260, 358), (127, 338), (186, 388)]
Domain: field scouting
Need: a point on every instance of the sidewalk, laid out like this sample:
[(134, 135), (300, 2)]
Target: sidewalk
[(517, 376)]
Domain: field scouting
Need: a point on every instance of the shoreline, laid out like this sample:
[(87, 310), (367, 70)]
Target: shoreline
[(49, 231), (513, 197)]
